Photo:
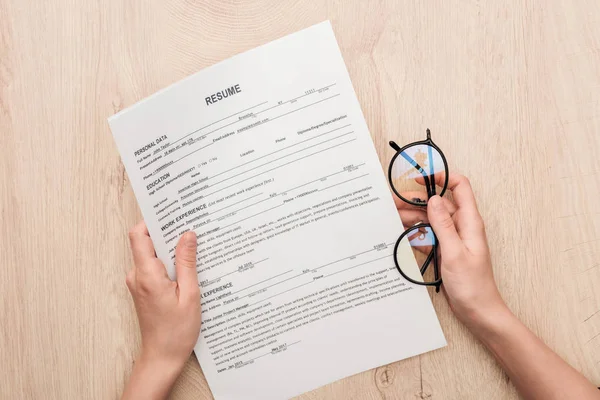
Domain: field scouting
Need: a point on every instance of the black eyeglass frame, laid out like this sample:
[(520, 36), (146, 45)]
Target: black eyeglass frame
[(431, 191), (430, 186)]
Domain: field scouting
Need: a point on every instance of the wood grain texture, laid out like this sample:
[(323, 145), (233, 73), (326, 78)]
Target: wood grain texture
[(510, 90)]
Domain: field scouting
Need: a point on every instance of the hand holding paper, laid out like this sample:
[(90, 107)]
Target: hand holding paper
[(168, 313)]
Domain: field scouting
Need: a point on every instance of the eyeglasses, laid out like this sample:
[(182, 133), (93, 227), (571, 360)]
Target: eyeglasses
[(414, 166)]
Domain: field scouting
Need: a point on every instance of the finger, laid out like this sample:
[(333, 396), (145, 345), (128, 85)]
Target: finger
[(401, 204), (141, 244), (141, 227), (450, 243), (185, 265), (130, 280), (462, 193), (412, 217), (468, 220), (469, 223), (460, 187)]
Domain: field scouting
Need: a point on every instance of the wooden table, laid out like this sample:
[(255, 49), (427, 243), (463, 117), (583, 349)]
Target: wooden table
[(510, 90)]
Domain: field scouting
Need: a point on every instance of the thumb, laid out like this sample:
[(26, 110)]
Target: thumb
[(443, 226), (185, 264)]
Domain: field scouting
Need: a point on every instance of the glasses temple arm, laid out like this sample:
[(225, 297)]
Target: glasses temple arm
[(431, 172), (436, 266), (428, 183), (426, 263)]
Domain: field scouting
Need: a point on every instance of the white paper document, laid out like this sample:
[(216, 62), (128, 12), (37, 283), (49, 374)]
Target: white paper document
[(267, 157)]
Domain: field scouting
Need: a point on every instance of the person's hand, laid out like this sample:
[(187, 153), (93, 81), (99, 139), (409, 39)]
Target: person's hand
[(468, 281), (168, 312), (466, 268)]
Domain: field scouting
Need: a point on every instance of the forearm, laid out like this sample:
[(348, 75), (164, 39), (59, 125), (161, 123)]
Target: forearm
[(536, 371), (151, 379)]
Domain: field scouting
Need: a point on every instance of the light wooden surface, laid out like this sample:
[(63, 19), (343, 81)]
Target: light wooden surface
[(510, 90)]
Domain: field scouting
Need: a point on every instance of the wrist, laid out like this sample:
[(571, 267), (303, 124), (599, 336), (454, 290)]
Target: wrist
[(486, 323), (157, 374), (152, 377), (478, 309), (169, 367)]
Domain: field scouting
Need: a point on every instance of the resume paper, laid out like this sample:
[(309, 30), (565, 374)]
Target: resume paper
[(267, 157)]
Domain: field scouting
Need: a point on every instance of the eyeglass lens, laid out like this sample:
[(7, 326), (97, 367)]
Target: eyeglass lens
[(413, 172), (421, 240)]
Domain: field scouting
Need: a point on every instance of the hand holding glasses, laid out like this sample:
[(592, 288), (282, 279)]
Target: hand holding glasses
[(412, 167)]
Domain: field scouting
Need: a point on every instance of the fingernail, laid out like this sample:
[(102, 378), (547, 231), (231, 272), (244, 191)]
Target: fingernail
[(189, 238)]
